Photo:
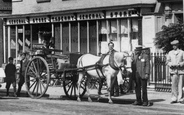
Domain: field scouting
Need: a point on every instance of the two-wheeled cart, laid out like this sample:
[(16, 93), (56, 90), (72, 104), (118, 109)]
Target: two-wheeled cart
[(44, 67)]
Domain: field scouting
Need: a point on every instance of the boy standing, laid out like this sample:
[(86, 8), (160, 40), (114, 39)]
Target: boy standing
[(10, 71)]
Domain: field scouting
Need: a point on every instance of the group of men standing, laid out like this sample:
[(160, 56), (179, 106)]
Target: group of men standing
[(11, 71), (140, 72)]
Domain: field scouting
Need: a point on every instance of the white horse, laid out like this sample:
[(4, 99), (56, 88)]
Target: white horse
[(109, 70)]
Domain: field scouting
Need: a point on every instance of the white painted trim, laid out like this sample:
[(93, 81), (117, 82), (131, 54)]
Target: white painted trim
[(97, 37), (70, 45), (9, 53), (87, 36), (78, 36), (23, 35), (61, 36), (129, 30), (4, 43), (52, 30)]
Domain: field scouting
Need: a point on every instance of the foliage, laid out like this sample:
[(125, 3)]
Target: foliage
[(168, 34)]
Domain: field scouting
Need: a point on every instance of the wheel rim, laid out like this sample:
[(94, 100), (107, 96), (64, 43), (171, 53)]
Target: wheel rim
[(70, 85), (37, 77)]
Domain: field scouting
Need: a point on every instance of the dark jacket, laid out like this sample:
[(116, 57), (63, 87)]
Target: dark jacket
[(141, 64), (10, 71)]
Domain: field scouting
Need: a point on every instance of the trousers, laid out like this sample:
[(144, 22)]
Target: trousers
[(177, 87), (141, 85)]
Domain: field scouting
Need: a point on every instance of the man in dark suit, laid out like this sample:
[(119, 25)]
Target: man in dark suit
[(141, 71)]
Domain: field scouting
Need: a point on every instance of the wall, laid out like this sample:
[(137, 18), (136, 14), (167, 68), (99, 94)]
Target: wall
[(148, 31), (5, 8), (31, 6)]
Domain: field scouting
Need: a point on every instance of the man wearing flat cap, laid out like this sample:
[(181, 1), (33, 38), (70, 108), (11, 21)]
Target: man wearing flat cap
[(175, 60)]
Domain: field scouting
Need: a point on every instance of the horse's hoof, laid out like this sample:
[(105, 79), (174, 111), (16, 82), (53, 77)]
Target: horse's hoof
[(89, 99), (110, 102), (78, 99)]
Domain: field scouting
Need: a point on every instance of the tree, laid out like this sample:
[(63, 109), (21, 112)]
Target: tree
[(169, 33)]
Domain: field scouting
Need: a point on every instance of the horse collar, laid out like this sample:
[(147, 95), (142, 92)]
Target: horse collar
[(112, 62)]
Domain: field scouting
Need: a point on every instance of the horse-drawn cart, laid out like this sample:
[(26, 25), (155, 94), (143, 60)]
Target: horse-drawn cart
[(47, 66), (43, 68)]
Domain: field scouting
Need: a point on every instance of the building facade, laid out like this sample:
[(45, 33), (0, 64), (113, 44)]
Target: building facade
[(84, 26), (5, 9)]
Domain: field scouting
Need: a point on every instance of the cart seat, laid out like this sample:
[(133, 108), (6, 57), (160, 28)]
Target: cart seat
[(66, 65)]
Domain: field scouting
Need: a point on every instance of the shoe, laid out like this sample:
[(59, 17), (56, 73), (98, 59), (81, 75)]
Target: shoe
[(18, 94), (137, 103), (145, 104), (172, 102), (182, 102), (116, 94), (14, 95)]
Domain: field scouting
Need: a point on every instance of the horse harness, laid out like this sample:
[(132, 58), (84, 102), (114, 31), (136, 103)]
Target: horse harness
[(99, 64)]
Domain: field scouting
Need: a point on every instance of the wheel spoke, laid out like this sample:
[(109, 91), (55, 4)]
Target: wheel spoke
[(31, 70), (32, 85), (40, 87), (71, 91), (38, 65), (35, 87), (38, 84), (69, 87), (68, 83), (42, 84), (75, 87), (34, 66)]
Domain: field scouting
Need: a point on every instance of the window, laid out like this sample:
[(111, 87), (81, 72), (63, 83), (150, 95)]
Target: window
[(39, 1), (8, 0), (14, 0)]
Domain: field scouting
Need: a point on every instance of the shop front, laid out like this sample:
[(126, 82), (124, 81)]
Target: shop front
[(83, 32)]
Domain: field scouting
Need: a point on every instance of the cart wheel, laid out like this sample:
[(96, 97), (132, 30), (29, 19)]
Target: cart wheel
[(125, 87), (70, 85), (37, 77)]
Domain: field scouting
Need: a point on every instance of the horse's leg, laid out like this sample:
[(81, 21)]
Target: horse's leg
[(79, 83), (101, 81), (87, 87), (109, 88)]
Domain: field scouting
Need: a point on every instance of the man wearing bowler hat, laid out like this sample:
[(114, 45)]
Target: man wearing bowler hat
[(175, 60)]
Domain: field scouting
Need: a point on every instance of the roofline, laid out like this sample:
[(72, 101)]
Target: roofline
[(170, 0), (79, 10)]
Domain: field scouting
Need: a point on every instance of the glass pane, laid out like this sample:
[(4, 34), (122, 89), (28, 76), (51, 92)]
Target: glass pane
[(20, 39), (113, 30), (13, 41), (57, 36), (125, 45), (92, 38), (83, 39), (74, 36), (65, 41), (27, 38)]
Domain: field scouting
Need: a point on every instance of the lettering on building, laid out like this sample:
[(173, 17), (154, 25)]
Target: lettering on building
[(90, 16), (17, 21), (123, 13), (63, 18), (39, 20)]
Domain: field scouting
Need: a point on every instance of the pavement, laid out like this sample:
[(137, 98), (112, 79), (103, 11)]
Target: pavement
[(57, 92)]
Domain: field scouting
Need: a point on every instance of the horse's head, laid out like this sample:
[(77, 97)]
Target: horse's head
[(120, 58)]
